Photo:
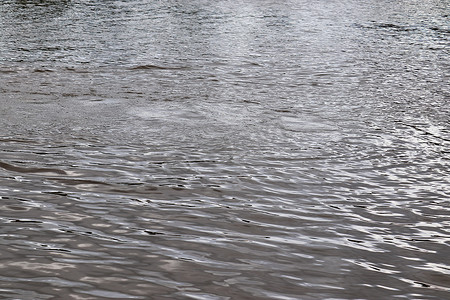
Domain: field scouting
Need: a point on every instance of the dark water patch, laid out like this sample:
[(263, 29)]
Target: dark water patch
[(71, 181), (78, 70), (158, 67), (56, 250), (26, 221), (41, 70), (16, 140), (153, 232), (441, 30), (18, 169), (15, 208), (59, 193), (8, 71), (396, 27)]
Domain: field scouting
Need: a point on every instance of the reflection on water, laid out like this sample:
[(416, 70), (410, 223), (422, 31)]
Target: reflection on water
[(224, 150)]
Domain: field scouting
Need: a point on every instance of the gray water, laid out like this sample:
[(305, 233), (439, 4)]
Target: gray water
[(194, 149)]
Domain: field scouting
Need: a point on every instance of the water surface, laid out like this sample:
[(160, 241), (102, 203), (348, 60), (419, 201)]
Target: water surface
[(194, 149)]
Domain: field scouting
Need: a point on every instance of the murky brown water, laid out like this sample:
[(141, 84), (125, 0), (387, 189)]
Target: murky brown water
[(224, 149)]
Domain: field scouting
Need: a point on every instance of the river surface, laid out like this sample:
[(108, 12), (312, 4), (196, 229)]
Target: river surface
[(199, 149)]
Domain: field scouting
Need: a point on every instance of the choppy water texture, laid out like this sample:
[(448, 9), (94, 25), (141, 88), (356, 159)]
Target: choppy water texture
[(224, 149)]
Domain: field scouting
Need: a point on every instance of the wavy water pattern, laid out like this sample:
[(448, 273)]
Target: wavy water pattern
[(224, 149)]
